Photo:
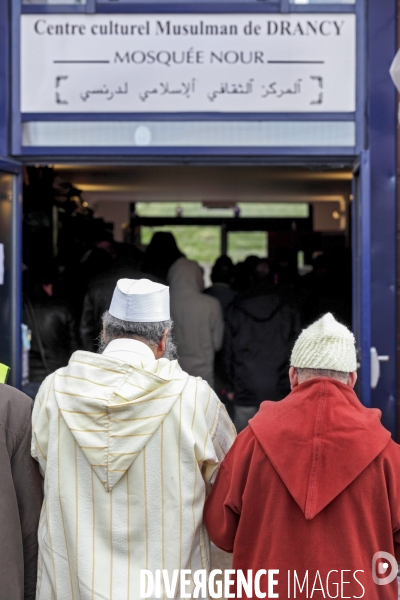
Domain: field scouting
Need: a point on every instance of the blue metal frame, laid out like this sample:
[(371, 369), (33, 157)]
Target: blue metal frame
[(16, 291), (382, 130), (15, 79), (4, 76), (361, 240), (26, 117), (10, 166), (187, 7), (10, 290), (183, 152), (10, 316), (361, 82)]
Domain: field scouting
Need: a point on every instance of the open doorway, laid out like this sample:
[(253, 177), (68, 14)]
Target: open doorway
[(88, 225)]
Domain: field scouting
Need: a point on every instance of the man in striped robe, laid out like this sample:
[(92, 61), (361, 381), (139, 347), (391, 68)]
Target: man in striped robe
[(128, 445)]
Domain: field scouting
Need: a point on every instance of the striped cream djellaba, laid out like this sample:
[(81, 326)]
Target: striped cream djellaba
[(128, 446)]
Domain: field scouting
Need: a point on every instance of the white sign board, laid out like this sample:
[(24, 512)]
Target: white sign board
[(188, 63)]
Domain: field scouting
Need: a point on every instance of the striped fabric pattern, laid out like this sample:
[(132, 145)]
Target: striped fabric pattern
[(127, 449)]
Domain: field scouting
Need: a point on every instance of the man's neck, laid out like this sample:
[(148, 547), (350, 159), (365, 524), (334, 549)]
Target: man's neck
[(129, 345)]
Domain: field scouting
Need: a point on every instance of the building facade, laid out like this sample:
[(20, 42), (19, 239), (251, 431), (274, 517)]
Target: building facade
[(250, 82)]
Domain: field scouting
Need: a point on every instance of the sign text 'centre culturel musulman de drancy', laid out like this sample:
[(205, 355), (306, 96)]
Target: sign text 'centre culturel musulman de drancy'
[(188, 63)]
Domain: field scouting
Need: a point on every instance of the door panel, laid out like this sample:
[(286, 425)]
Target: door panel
[(381, 111), (374, 319), (361, 236)]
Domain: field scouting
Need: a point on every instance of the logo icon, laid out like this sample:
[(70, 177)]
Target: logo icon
[(383, 567)]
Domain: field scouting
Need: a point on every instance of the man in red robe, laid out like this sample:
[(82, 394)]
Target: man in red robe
[(310, 491)]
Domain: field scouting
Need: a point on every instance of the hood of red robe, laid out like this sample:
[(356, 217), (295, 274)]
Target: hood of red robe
[(319, 439)]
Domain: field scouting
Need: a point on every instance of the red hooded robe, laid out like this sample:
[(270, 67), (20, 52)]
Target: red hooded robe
[(313, 484)]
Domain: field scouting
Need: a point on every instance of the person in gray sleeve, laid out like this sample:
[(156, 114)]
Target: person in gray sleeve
[(20, 498)]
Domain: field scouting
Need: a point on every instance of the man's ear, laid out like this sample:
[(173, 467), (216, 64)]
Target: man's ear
[(160, 350), (293, 378), (352, 379)]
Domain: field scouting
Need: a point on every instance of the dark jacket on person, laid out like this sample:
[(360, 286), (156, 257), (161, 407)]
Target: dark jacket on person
[(20, 498), (223, 293), (54, 334), (261, 328)]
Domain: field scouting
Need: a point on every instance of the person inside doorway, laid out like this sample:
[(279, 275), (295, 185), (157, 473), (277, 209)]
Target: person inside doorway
[(109, 261), (261, 328), (328, 288), (98, 297), (52, 324), (198, 318), (222, 277), (161, 254)]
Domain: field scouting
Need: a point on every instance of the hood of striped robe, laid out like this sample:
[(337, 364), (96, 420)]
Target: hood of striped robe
[(113, 408)]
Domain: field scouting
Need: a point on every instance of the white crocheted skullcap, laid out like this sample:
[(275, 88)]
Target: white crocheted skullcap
[(326, 344), (140, 301)]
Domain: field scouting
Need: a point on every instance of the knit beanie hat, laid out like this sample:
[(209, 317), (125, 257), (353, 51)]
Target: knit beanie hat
[(326, 344)]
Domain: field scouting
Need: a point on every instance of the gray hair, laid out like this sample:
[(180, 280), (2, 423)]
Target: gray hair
[(151, 333), (306, 374)]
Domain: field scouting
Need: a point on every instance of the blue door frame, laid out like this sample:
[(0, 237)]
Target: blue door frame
[(10, 217), (361, 255), (382, 132), (375, 310), (10, 290)]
